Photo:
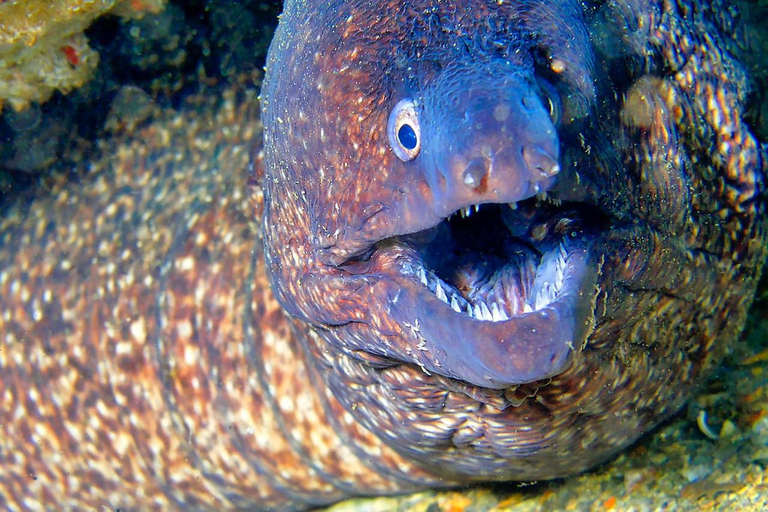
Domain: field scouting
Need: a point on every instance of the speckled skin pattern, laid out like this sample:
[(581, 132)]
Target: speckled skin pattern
[(154, 356)]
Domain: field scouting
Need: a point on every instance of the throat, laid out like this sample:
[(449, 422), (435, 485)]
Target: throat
[(475, 263), (466, 250), (478, 257)]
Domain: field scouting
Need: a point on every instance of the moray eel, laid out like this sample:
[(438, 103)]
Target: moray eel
[(490, 241)]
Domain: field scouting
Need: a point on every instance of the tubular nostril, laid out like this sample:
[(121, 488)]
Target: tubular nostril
[(473, 174), (536, 158)]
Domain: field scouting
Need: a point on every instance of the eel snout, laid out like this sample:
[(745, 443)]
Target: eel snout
[(485, 144)]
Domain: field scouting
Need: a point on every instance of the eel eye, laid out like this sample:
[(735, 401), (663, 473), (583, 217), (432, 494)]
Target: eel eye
[(404, 131)]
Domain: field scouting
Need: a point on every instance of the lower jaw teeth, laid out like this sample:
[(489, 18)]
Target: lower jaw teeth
[(497, 313), (494, 313), (547, 283), (479, 310)]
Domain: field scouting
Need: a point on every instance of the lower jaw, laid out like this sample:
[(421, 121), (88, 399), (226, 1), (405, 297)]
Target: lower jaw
[(493, 352)]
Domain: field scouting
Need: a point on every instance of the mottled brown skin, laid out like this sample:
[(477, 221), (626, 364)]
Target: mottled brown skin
[(145, 362)]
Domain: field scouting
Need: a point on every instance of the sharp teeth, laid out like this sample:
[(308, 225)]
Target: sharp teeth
[(477, 208), (478, 312), (455, 304), (466, 211), (440, 293), (486, 312), (422, 275), (512, 205), (496, 314), (527, 308)]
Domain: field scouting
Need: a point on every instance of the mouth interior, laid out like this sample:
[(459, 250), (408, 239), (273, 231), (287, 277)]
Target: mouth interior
[(497, 262)]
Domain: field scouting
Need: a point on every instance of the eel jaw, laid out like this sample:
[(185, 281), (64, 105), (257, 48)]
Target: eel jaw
[(493, 318)]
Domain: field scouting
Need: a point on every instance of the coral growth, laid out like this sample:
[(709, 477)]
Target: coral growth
[(43, 48)]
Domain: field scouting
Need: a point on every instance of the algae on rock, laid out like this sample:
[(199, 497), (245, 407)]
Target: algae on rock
[(43, 48)]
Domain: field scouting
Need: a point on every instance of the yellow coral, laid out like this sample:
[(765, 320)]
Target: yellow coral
[(42, 46)]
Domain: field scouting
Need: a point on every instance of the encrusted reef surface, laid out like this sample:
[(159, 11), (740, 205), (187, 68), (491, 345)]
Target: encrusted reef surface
[(43, 48), (72, 71), (154, 131)]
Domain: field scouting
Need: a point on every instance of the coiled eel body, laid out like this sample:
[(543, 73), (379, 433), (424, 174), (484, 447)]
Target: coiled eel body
[(490, 241)]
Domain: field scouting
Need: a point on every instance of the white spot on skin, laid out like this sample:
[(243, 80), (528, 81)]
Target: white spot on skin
[(121, 442), (102, 409), (187, 263), (191, 355), (94, 423), (501, 112), (184, 329), (139, 331)]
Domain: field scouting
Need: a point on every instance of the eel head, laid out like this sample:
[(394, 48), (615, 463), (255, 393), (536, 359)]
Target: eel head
[(410, 210)]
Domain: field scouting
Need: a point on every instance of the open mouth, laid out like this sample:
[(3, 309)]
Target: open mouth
[(501, 294), (497, 262)]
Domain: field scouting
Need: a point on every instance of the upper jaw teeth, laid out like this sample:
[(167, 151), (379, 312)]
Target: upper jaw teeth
[(467, 210)]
